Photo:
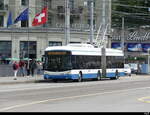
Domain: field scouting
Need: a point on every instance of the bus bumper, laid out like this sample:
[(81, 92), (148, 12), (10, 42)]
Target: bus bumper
[(59, 77)]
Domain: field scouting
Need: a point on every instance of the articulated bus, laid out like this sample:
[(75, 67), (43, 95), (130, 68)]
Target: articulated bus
[(81, 61)]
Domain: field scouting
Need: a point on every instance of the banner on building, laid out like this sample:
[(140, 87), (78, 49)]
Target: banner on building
[(132, 47)]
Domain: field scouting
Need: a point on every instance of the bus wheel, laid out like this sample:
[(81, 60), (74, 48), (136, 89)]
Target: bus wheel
[(80, 77), (98, 75), (55, 80)]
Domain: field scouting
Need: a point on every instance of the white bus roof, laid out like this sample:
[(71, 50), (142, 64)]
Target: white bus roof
[(85, 50)]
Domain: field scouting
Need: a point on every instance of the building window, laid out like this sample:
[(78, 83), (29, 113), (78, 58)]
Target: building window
[(5, 51), (89, 4), (71, 4), (1, 4), (24, 23), (89, 22), (1, 21), (24, 2), (26, 51), (52, 43), (50, 4), (75, 42), (49, 20)]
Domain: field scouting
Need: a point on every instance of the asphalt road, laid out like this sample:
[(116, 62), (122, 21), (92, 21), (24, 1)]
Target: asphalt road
[(123, 95)]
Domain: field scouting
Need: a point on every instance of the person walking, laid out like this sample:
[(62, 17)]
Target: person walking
[(21, 66), (33, 66), (27, 68), (15, 69), (39, 68)]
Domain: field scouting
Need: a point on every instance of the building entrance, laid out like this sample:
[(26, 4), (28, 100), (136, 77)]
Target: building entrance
[(28, 49)]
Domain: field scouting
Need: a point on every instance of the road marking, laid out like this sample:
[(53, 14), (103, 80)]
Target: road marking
[(71, 97), (145, 99)]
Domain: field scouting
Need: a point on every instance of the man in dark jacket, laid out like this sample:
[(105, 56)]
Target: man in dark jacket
[(33, 66)]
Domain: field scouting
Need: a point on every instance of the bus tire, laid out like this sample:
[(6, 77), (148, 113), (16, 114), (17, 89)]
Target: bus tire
[(80, 77), (98, 76), (54, 80)]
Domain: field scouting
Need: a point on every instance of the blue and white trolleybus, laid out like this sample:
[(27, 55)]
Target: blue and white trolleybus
[(81, 61)]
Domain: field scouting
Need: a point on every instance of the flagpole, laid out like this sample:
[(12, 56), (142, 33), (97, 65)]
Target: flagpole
[(9, 24), (28, 35), (11, 39), (47, 23), (67, 22)]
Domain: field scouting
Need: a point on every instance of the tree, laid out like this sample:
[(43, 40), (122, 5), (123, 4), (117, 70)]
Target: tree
[(136, 12)]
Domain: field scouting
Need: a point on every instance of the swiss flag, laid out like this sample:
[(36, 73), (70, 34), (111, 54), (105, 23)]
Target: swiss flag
[(40, 18)]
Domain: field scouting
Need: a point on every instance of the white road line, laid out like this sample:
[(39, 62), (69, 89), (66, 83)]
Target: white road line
[(59, 85), (64, 98), (145, 99)]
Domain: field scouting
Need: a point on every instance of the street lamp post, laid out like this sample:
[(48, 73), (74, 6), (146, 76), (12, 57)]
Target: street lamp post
[(91, 2), (103, 50), (67, 22), (122, 36), (91, 22)]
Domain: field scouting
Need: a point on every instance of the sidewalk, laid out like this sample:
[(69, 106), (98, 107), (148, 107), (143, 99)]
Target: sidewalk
[(20, 80), (39, 78)]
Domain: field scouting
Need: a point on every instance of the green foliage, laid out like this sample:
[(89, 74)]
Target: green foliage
[(133, 58), (135, 12)]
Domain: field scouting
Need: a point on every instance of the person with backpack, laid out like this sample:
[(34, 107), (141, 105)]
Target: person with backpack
[(15, 69)]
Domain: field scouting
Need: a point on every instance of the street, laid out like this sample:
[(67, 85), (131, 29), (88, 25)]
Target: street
[(124, 95)]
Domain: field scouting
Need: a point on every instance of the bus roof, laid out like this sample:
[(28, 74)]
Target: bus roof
[(85, 50)]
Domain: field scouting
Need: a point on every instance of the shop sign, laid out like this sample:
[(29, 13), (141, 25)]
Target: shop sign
[(133, 37)]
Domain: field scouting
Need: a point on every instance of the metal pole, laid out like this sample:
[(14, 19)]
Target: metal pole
[(104, 12), (28, 36), (148, 67), (91, 22), (122, 39), (109, 23), (103, 50), (67, 22), (46, 5)]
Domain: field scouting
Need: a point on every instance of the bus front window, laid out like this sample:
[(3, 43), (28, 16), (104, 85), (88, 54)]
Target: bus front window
[(58, 63)]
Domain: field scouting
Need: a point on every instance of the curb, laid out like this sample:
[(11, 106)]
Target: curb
[(11, 82), (19, 82)]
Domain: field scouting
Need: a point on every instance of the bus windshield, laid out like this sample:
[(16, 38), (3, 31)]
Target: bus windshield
[(57, 61)]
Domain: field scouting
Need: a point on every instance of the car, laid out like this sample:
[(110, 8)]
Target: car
[(127, 70), (134, 68)]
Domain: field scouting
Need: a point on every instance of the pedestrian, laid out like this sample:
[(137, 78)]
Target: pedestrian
[(27, 63), (21, 67), (39, 67), (33, 66), (15, 69)]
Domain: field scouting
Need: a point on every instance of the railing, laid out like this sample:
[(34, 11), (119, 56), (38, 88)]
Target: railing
[(41, 29)]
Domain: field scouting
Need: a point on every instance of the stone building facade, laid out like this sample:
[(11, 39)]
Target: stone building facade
[(14, 40)]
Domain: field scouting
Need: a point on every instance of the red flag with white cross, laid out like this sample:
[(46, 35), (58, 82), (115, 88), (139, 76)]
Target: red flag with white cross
[(40, 18)]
